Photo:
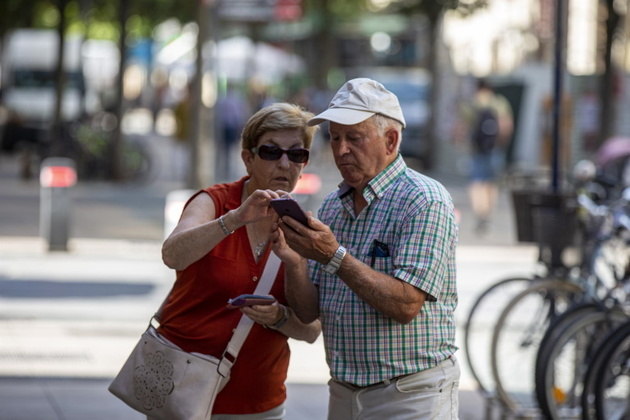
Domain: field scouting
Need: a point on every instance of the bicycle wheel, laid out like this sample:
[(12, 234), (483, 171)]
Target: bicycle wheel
[(552, 333), (517, 335), (479, 324), (560, 376), (612, 395)]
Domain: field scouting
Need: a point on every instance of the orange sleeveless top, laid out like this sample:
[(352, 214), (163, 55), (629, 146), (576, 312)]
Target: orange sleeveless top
[(195, 316)]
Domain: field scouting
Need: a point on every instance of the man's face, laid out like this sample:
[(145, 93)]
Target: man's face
[(360, 152)]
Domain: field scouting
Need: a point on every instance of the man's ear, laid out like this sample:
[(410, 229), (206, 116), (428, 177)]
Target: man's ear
[(392, 140)]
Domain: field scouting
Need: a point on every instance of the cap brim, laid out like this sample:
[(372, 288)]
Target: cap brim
[(344, 116)]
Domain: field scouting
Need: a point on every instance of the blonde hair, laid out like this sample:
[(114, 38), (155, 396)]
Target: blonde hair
[(275, 117)]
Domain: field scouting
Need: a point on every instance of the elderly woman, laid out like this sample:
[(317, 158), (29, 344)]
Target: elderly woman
[(220, 247)]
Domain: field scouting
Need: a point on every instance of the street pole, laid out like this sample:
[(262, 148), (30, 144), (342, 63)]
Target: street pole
[(195, 180), (557, 96)]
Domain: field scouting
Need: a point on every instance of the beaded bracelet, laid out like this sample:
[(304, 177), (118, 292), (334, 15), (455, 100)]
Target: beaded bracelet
[(224, 228)]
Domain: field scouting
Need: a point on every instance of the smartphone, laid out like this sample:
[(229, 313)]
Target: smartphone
[(249, 300), (289, 207)]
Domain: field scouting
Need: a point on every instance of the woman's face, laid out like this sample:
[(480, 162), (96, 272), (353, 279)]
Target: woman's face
[(279, 174)]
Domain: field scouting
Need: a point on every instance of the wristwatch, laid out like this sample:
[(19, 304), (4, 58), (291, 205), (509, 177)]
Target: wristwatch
[(335, 262), (283, 320)]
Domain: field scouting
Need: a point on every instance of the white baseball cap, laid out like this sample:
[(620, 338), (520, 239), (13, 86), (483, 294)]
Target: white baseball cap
[(359, 99)]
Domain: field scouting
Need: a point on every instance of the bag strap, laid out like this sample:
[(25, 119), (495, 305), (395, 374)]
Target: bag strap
[(245, 324)]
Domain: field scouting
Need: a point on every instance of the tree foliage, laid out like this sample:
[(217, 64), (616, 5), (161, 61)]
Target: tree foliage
[(435, 9), (95, 18)]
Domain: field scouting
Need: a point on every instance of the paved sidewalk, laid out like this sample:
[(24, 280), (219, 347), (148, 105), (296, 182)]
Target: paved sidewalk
[(68, 321)]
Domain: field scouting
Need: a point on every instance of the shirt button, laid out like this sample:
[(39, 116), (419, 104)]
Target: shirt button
[(255, 278)]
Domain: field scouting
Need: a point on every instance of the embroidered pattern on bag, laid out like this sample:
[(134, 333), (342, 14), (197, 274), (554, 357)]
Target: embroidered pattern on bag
[(153, 381)]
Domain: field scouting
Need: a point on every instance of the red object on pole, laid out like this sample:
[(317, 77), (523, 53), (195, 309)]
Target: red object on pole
[(57, 177)]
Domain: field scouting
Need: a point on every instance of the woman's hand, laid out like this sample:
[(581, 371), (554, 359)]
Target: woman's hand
[(264, 314), (255, 207)]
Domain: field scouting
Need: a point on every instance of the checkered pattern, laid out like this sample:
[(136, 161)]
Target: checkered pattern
[(413, 215)]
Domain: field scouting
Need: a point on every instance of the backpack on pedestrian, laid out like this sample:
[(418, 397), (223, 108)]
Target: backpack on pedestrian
[(486, 130)]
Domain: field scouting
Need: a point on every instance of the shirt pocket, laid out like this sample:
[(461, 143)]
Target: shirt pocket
[(382, 264)]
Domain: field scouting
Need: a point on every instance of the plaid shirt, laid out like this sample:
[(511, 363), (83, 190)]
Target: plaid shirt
[(413, 216)]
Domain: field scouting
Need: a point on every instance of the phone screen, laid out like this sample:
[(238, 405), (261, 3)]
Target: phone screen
[(289, 207)]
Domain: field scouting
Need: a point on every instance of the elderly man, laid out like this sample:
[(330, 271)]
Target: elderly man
[(381, 273)]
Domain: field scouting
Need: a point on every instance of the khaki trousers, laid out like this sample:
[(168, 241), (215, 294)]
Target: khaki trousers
[(429, 394)]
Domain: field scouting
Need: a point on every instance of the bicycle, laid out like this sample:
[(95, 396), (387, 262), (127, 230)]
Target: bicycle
[(610, 375), (487, 307), (525, 320), (551, 221), (569, 344)]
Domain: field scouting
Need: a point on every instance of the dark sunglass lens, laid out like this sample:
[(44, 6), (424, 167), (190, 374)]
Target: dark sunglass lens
[(298, 155), (269, 152)]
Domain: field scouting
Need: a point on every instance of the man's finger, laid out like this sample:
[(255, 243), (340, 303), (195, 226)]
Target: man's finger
[(295, 225)]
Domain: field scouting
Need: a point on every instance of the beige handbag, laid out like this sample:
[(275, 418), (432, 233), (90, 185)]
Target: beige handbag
[(164, 382)]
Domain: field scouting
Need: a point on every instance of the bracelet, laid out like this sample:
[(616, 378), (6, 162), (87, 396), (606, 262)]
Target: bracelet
[(283, 320), (224, 228)]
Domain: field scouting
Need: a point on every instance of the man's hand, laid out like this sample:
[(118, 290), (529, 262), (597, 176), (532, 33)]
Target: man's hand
[(280, 247), (316, 242)]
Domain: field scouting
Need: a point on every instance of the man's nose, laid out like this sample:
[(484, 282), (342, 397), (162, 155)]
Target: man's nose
[(342, 147)]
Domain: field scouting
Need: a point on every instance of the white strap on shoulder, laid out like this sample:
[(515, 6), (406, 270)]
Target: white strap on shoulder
[(246, 323)]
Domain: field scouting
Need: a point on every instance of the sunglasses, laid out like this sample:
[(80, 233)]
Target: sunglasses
[(268, 152)]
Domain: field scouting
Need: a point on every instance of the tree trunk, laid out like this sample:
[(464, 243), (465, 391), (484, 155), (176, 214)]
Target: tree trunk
[(433, 65), (607, 85), (322, 53), (194, 97), (56, 138), (116, 162)]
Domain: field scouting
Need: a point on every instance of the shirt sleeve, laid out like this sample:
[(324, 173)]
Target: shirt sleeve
[(424, 247)]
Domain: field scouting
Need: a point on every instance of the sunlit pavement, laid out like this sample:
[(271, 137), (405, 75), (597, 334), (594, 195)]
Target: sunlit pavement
[(69, 319)]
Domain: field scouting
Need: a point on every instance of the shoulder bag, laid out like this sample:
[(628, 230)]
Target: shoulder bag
[(164, 382)]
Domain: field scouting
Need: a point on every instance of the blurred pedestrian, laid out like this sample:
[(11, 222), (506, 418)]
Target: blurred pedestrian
[(232, 113), (381, 268), (489, 122), (220, 247), (182, 112)]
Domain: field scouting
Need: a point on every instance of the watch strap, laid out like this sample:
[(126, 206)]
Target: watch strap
[(335, 262)]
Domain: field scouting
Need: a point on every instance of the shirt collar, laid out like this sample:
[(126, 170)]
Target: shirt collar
[(377, 185)]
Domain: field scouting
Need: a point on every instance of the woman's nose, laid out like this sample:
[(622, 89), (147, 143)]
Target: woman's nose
[(284, 161)]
